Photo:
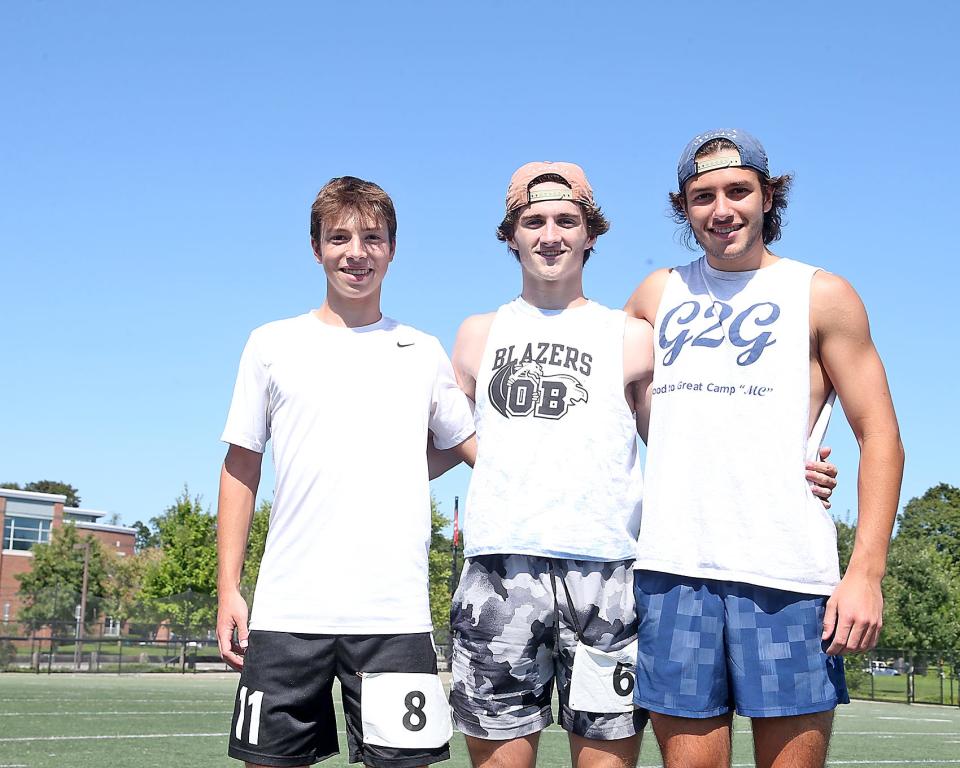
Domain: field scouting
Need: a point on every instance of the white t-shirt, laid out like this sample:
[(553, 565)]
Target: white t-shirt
[(348, 410)]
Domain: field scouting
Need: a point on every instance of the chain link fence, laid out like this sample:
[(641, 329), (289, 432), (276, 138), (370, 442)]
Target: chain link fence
[(187, 644), (172, 634), (48, 654), (905, 676)]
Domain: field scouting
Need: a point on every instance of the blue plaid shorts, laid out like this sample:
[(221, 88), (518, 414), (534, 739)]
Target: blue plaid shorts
[(706, 647)]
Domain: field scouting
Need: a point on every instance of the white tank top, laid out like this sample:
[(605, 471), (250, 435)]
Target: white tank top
[(557, 471), (726, 496)]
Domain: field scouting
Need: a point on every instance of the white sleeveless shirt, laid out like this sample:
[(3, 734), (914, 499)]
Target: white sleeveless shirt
[(726, 496), (557, 471)]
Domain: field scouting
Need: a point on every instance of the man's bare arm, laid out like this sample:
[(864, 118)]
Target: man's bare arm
[(645, 300), (855, 610), (440, 461), (468, 351), (239, 479), (638, 370)]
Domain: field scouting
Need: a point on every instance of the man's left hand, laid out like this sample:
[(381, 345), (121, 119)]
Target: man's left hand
[(854, 615)]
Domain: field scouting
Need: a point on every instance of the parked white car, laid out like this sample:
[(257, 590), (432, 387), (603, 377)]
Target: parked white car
[(881, 668)]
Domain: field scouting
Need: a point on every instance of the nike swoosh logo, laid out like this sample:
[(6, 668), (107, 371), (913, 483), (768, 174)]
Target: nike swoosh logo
[(408, 344)]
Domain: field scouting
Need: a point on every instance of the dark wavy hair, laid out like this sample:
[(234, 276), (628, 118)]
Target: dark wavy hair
[(778, 186), (597, 223)]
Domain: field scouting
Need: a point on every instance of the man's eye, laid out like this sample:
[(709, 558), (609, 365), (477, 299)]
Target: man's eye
[(568, 222), (533, 223)]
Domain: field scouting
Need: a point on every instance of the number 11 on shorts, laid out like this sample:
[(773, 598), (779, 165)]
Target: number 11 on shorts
[(254, 702)]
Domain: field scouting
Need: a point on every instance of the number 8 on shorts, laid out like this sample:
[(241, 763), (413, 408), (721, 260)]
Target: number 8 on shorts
[(407, 710)]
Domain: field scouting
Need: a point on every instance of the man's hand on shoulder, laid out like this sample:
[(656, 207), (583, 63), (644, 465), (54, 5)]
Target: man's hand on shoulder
[(823, 477)]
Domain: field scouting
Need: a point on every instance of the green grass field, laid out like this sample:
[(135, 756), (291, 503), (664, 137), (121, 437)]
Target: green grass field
[(88, 721)]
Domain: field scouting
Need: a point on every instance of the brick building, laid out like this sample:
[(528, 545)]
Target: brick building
[(27, 518)]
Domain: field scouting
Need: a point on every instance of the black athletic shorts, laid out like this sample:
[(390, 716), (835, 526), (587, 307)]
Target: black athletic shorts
[(284, 712)]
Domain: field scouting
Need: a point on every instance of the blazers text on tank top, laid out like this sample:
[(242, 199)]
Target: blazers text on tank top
[(557, 471)]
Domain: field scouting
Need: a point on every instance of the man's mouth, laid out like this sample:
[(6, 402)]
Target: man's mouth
[(357, 272), (727, 229)]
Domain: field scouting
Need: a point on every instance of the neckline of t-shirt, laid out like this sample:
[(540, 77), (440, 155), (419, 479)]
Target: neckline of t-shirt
[(383, 324), (747, 274), (528, 309)]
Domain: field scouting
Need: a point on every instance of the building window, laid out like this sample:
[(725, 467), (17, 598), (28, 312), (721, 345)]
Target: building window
[(111, 627), (23, 532)]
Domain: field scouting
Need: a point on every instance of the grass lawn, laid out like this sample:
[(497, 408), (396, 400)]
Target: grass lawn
[(88, 721)]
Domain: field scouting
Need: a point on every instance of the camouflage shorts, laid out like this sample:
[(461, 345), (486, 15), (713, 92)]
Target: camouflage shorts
[(508, 648)]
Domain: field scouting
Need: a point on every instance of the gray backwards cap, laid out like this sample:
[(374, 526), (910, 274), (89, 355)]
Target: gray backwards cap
[(752, 155)]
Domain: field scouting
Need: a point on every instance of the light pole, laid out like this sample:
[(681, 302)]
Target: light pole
[(82, 608), (454, 543)]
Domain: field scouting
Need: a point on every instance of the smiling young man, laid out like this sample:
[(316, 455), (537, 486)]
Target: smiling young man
[(554, 500), (738, 589), (553, 507), (343, 586)]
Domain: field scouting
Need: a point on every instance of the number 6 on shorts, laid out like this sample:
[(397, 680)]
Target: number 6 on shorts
[(406, 710)]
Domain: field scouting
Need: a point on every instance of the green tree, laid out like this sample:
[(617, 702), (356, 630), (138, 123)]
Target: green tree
[(146, 537), (846, 534), (439, 570), (922, 597), (934, 518), (256, 542), (49, 486), (52, 588), (922, 587), (181, 584), (122, 591)]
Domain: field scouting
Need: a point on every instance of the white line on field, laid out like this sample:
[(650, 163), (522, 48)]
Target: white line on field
[(836, 734), (112, 736), (118, 736), (94, 713), (914, 719), (872, 762), (887, 762)]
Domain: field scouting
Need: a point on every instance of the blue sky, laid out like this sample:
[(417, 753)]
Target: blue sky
[(157, 164)]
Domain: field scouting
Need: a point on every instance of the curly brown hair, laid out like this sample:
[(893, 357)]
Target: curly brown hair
[(344, 194), (596, 222), (777, 186)]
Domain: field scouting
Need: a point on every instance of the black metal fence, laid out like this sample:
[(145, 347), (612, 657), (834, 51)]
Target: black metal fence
[(896, 675), (922, 677), (106, 646), (40, 654)]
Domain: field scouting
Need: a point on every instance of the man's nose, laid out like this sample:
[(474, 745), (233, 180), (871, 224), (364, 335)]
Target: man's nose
[(355, 248), (721, 207), (551, 232)]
